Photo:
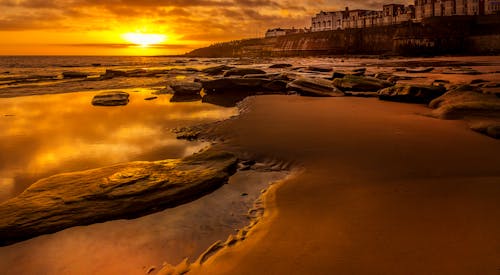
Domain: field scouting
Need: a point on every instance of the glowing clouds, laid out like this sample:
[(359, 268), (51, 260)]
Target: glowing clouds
[(144, 39)]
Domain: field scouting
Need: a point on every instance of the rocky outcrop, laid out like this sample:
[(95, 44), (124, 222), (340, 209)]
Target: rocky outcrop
[(186, 91), (280, 66), (243, 72), (419, 70), (115, 98), (72, 74), (217, 70), (306, 86), (240, 85), (116, 192), (412, 93), (466, 101), (360, 83), (489, 128)]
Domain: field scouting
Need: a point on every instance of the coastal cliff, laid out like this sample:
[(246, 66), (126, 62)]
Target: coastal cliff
[(434, 36)]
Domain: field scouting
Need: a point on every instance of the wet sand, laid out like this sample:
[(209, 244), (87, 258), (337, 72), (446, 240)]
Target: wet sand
[(383, 190)]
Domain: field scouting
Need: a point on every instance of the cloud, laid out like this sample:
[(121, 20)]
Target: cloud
[(202, 21), (123, 45)]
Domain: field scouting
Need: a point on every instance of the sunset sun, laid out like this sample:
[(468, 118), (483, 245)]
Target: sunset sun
[(144, 39)]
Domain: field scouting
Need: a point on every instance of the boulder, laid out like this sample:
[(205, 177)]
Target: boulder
[(320, 68), (216, 70), (307, 86), (114, 98), (489, 128), (234, 84), (465, 101), (280, 66), (420, 70), (186, 88), (72, 74), (266, 76), (411, 93), (383, 75), (114, 73), (360, 83), (243, 72), (121, 191)]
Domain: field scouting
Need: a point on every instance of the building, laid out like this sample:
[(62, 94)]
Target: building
[(493, 7), (430, 8), (327, 21), (392, 14)]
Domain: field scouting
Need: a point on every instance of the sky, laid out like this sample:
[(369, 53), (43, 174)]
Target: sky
[(95, 27)]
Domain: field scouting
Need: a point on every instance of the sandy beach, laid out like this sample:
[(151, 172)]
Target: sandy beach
[(384, 191)]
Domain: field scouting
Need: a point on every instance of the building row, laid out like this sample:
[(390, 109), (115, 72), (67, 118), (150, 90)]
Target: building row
[(396, 13)]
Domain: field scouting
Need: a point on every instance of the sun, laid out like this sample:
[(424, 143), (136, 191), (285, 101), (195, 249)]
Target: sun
[(144, 39)]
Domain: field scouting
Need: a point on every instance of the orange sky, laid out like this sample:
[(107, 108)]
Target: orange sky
[(94, 27)]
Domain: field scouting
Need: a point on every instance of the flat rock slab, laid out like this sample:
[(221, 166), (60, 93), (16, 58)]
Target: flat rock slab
[(121, 191), (314, 87), (412, 93), (110, 99)]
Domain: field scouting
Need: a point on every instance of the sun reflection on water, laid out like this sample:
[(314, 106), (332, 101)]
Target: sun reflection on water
[(60, 133)]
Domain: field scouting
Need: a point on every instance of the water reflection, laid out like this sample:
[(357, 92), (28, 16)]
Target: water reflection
[(49, 134)]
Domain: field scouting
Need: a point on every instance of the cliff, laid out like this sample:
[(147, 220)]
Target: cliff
[(437, 35)]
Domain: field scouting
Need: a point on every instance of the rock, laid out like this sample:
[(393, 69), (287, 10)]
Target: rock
[(186, 88), (320, 69), (111, 99), (360, 83), (420, 70), (359, 70), (280, 66), (396, 78), (72, 74), (113, 73), (122, 191), (337, 74), (278, 86), (234, 84), (225, 98), (466, 71), (217, 69), (306, 86), (266, 76), (383, 76), (441, 81), (465, 101), (243, 72), (151, 98), (478, 81), (489, 128), (411, 93)]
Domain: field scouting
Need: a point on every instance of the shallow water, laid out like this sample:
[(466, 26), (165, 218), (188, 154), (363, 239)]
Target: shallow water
[(44, 135)]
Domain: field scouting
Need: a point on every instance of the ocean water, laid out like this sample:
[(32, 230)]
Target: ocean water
[(49, 126)]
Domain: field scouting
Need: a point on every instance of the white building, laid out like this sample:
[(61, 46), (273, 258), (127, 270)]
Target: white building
[(326, 21)]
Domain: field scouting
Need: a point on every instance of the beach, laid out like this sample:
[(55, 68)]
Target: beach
[(387, 191), (330, 165)]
